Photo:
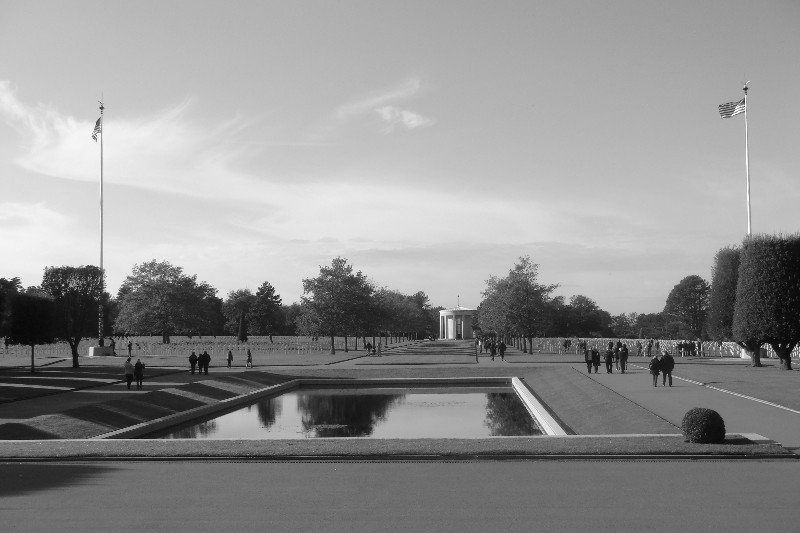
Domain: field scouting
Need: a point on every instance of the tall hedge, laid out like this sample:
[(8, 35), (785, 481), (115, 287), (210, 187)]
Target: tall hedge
[(722, 300), (768, 294)]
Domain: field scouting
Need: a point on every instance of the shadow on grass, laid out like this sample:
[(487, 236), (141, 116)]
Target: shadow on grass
[(20, 479)]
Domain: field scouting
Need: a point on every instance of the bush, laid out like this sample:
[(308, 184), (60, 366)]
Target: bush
[(703, 425)]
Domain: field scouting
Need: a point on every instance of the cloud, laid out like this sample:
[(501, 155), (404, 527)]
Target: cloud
[(384, 105), (393, 116), (370, 102)]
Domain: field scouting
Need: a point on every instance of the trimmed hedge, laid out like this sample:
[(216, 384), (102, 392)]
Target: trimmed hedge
[(704, 426)]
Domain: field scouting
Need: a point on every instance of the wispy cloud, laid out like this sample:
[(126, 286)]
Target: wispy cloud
[(384, 105), (370, 102), (410, 120)]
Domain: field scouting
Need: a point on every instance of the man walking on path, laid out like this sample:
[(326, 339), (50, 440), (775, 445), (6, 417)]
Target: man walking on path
[(230, 358), (667, 364), (138, 373), (193, 361), (130, 348), (127, 368), (502, 351)]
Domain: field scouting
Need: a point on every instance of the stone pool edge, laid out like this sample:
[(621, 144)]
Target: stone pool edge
[(588, 447)]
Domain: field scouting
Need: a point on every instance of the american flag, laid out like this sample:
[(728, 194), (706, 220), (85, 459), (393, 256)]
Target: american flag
[(731, 108), (98, 128)]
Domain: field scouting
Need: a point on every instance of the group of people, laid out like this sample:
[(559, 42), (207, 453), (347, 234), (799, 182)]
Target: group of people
[(134, 372), (663, 365), (616, 356), (201, 362), (491, 346)]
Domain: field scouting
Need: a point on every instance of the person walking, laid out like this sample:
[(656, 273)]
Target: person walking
[(249, 363), (609, 360), (130, 348), (623, 358), (667, 364), (230, 358), (655, 368), (127, 369), (493, 349), (204, 361), (138, 373), (595, 359), (193, 361), (502, 351), (587, 357)]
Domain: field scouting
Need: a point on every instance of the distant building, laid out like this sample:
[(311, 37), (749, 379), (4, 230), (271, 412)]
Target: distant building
[(456, 323)]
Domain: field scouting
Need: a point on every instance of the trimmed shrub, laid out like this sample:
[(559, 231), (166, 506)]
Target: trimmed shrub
[(703, 425)]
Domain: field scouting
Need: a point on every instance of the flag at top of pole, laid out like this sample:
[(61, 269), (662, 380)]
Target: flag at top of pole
[(98, 128), (727, 111), (732, 108)]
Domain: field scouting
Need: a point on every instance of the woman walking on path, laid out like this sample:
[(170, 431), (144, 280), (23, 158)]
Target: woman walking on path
[(667, 364), (249, 363), (138, 373), (610, 358), (595, 359), (655, 368), (230, 358), (127, 368), (587, 357)]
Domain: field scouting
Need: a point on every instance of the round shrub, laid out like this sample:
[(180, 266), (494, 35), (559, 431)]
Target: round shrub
[(703, 425)]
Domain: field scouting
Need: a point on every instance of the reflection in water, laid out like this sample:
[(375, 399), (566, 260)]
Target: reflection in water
[(268, 411), (450, 412), (507, 416), (199, 431), (343, 416)]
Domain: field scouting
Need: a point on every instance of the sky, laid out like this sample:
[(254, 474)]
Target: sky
[(430, 143)]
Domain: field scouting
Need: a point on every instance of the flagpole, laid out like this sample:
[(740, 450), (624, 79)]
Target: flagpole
[(102, 272), (747, 158)]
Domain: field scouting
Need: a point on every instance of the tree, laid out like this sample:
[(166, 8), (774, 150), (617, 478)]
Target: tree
[(334, 298), (516, 304), (768, 295), (159, 297), (585, 318), (31, 321), (722, 298), (237, 309), (8, 289), (687, 305), (77, 293), (266, 313)]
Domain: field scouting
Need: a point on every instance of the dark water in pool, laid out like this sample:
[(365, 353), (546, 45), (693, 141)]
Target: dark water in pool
[(372, 413)]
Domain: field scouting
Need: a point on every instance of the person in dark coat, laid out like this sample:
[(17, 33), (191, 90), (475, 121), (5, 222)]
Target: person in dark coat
[(667, 364), (193, 361), (138, 373), (595, 359), (587, 357), (493, 349), (230, 358), (655, 368), (623, 358), (127, 369), (502, 349), (207, 360), (609, 359)]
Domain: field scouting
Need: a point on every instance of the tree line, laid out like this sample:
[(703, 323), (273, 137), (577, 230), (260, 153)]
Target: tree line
[(753, 299), (159, 298)]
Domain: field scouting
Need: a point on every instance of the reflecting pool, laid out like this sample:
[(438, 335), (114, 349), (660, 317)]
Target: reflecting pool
[(380, 413)]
